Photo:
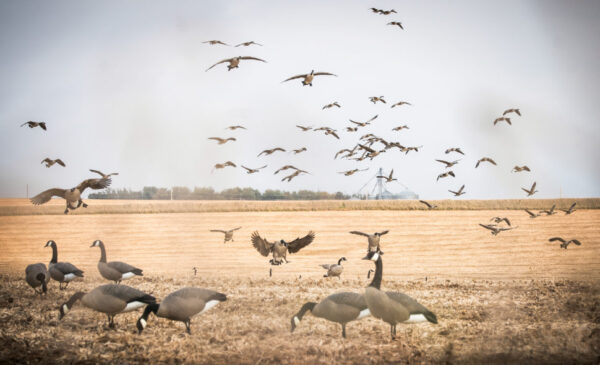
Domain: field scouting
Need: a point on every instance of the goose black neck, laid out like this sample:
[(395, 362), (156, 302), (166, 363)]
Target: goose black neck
[(376, 283), (54, 254), (305, 308), (74, 298), (339, 261), (102, 252), (153, 307)]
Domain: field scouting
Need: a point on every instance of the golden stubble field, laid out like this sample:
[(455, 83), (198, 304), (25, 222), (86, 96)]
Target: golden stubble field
[(513, 297)]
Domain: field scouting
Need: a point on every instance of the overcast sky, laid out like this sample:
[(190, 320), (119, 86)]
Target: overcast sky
[(122, 86)]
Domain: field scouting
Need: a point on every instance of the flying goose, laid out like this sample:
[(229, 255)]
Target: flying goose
[(429, 206), (308, 78), (455, 149), (340, 308), (551, 211), (234, 127), (388, 178), (110, 299), (349, 152), (72, 195), (500, 219), (253, 171), (393, 307), (293, 175), (335, 103), (299, 150), (50, 162), (271, 151), (400, 103), (351, 172), (494, 230), (485, 159), (280, 248), (331, 132), (399, 128), (37, 275), (532, 214), (375, 99), (224, 165), (445, 174), (520, 168), (459, 192), (228, 234), (283, 168), (570, 210), (364, 124), (512, 111), (63, 272), (382, 12), (235, 62), (181, 306), (531, 190), (246, 44), (304, 129), (373, 240), (502, 119), (114, 270), (32, 124), (396, 23), (222, 140), (370, 152), (564, 243), (214, 42), (334, 269), (351, 129), (104, 176), (448, 164), (408, 149)]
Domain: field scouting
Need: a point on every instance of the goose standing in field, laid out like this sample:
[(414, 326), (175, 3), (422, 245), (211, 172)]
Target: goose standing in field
[(502, 119), (223, 140), (393, 307), (253, 171), (246, 44), (564, 243), (32, 124), (396, 23), (485, 159), (50, 162), (335, 103), (104, 176), (532, 214), (280, 248), (109, 299), (308, 78), (445, 174), (531, 191), (373, 240), (228, 234), (114, 270), (63, 272), (340, 308), (570, 210), (459, 192), (334, 269), (71, 195), (520, 168), (235, 62), (512, 111), (454, 149), (37, 275), (182, 305), (429, 206)]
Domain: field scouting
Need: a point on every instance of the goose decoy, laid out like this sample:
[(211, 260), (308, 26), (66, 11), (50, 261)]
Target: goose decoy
[(335, 103), (182, 305), (500, 219), (520, 168), (459, 192), (228, 234), (32, 124), (351, 172), (393, 307), (63, 272), (280, 248), (502, 119), (448, 163), (512, 111), (570, 210), (223, 140), (531, 190), (399, 128), (494, 230), (110, 299), (396, 23), (549, 212), (114, 270), (445, 174), (104, 176), (532, 214), (369, 273), (375, 99), (235, 62), (308, 78), (71, 195), (234, 127), (224, 165), (455, 149), (388, 178), (400, 103), (253, 171), (334, 269), (36, 275), (485, 159), (304, 129), (214, 42), (299, 150), (271, 151), (246, 44), (373, 240), (50, 162), (340, 308), (429, 206), (564, 243)]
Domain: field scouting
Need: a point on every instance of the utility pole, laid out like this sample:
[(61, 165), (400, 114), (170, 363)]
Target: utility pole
[(27, 191)]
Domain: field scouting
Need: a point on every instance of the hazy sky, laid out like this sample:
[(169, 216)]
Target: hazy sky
[(122, 86)]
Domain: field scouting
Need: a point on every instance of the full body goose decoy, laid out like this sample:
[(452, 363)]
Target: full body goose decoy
[(308, 78), (228, 234), (334, 269), (340, 308), (235, 62), (373, 240), (36, 275), (531, 190), (114, 270), (63, 272), (49, 162), (393, 307), (570, 210), (280, 248), (182, 305), (72, 195), (110, 299), (564, 243), (32, 124)]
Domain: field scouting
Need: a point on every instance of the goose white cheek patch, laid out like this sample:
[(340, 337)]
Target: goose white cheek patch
[(65, 308), (296, 320), (375, 257), (143, 322)]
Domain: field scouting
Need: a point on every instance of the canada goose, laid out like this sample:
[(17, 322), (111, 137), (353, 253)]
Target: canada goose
[(351, 129), (351, 172), (502, 119), (364, 124), (408, 149), (399, 128), (228, 234), (396, 23), (331, 132), (494, 230), (520, 168), (512, 111), (340, 308), (445, 174), (114, 270), (71, 195), (429, 206), (334, 269), (234, 127), (564, 243), (283, 168), (32, 124), (393, 307), (304, 129), (50, 162), (63, 272), (570, 210), (212, 43), (349, 152), (455, 149), (373, 240), (293, 175), (110, 299), (182, 305), (382, 12), (246, 44), (308, 78), (551, 211), (447, 163), (388, 178), (369, 273), (459, 192), (235, 62), (222, 140), (224, 165), (500, 219), (299, 150), (531, 190), (104, 176), (375, 99), (271, 151), (335, 103), (400, 103), (370, 152), (280, 248), (37, 275), (253, 171), (485, 159)]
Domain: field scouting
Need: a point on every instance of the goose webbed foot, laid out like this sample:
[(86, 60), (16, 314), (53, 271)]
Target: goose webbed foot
[(344, 330)]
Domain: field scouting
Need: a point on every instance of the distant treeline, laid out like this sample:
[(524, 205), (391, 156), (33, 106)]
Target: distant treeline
[(184, 193)]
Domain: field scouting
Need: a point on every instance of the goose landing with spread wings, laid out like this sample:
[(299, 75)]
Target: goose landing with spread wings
[(72, 195), (279, 249)]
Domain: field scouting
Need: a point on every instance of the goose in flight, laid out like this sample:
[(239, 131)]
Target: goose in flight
[(234, 127), (448, 164), (371, 153), (455, 149), (50, 162), (429, 205), (228, 234), (399, 128), (502, 119), (246, 44), (287, 167), (215, 42), (388, 178), (532, 214), (279, 249), (32, 124), (351, 129), (564, 243), (400, 103), (495, 230), (304, 129), (271, 151), (104, 176), (235, 62), (408, 149), (551, 211), (351, 172), (224, 165), (373, 240), (382, 12), (531, 191), (375, 99), (252, 171), (512, 111), (308, 78), (396, 23), (500, 219), (293, 175), (459, 192), (72, 195), (364, 124), (335, 103), (299, 150), (445, 174), (570, 210), (350, 152), (520, 168), (485, 159), (222, 140)]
